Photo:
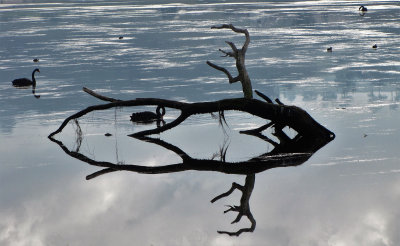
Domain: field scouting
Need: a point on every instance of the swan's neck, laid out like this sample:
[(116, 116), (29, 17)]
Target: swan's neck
[(160, 111), (33, 78)]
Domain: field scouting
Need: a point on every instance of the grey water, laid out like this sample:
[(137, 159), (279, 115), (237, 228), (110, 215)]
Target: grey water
[(347, 193)]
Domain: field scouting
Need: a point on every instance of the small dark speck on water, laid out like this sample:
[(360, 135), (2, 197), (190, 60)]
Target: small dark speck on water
[(329, 49), (108, 134), (374, 46), (120, 37), (36, 60)]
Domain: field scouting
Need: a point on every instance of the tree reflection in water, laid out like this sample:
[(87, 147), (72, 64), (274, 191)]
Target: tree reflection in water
[(288, 152)]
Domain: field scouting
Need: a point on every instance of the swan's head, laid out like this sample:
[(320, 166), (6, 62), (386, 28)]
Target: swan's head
[(36, 70), (160, 111)]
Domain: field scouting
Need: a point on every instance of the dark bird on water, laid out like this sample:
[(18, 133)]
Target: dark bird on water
[(374, 46), (329, 49), (147, 116), (363, 9), (120, 37), (35, 60), (25, 81)]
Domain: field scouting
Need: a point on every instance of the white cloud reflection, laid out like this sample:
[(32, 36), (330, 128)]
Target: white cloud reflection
[(126, 209)]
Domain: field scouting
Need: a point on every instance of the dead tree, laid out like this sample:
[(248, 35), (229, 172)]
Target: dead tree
[(239, 55), (284, 115), (279, 114), (310, 134)]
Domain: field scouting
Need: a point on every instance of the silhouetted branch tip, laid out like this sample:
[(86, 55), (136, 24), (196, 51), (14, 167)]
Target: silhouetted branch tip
[(263, 96), (278, 101)]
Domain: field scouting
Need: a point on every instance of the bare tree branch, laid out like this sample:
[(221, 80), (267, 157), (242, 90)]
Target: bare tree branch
[(232, 189), (101, 97), (263, 96), (231, 79), (278, 101), (244, 208), (230, 54), (237, 30), (233, 47), (239, 55)]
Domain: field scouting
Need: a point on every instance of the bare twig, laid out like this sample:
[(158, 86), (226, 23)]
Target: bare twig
[(263, 96), (278, 101), (237, 30), (101, 97), (225, 71)]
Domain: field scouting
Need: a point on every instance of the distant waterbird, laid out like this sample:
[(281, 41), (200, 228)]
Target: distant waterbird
[(120, 37), (36, 60), (26, 82), (329, 49), (147, 116), (374, 46), (362, 9)]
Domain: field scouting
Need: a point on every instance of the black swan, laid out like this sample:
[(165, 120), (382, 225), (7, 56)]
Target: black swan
[(147, 116), (25, 81), (362, 8), (329, 49), (374, 46)]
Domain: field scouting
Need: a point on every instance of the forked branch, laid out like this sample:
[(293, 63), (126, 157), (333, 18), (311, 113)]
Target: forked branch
[(237, 30), (239, 55), (225, 71), (244, 208)]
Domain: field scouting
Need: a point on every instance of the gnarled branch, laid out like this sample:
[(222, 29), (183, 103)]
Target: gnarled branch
[(239, 55), (225, 71), (244, 208), (237, 30)]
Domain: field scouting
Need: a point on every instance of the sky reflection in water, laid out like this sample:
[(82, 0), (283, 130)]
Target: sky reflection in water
[(346, 194)]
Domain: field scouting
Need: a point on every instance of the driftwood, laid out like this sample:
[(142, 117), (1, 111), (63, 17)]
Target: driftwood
[(284, 115), (310, 136), (287, 152), (279, 114)]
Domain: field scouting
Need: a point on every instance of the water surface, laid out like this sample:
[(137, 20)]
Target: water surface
[(345, 194)]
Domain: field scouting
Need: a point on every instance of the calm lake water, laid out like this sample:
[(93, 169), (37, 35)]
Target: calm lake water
[(347, 193)]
